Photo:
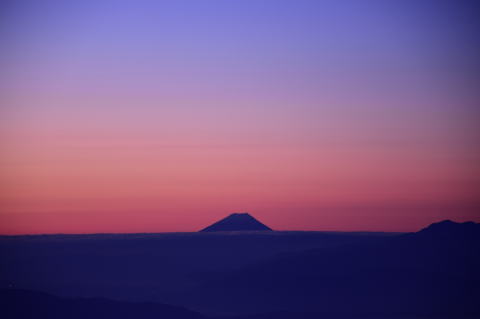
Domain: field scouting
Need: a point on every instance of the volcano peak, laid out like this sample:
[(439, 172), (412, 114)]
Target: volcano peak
[(237, 222)]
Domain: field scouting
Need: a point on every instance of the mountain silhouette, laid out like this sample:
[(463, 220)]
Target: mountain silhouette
[(23, 304), (448, 229), (237, 222), (432, 273)]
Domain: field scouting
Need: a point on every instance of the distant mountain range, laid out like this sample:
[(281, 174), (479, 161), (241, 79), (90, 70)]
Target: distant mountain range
[(432, 273), (237, 222), (429, 274)]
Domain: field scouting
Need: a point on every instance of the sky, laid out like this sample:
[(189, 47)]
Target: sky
[(165, 116)]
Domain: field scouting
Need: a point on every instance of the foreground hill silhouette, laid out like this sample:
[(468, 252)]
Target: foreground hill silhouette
[(432, 273), (237, 222), (22, 304), (429, 274)]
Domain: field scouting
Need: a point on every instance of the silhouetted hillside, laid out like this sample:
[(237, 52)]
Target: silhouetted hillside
[(152, 267), (399, 276), (258, 275), (448, 229), (237, 222), (22, 304)]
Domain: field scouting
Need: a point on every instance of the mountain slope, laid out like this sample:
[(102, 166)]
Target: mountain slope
[(434, 276), (237, 222), (23, 304)]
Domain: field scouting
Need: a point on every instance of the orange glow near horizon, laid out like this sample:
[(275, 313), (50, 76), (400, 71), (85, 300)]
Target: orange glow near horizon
[(140, 121)]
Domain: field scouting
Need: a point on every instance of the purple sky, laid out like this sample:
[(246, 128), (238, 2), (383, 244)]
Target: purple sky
[(129, 116)]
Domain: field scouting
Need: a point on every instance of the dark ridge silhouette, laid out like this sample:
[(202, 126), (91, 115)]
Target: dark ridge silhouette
[(139, 267), (24, 304), (237, 222), (429, 274), (448, 229)]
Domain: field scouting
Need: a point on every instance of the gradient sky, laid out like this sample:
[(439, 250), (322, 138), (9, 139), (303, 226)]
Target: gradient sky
[(150, 116)]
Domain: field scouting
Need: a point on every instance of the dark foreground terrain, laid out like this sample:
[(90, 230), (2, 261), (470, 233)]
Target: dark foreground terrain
[(429, 274)]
